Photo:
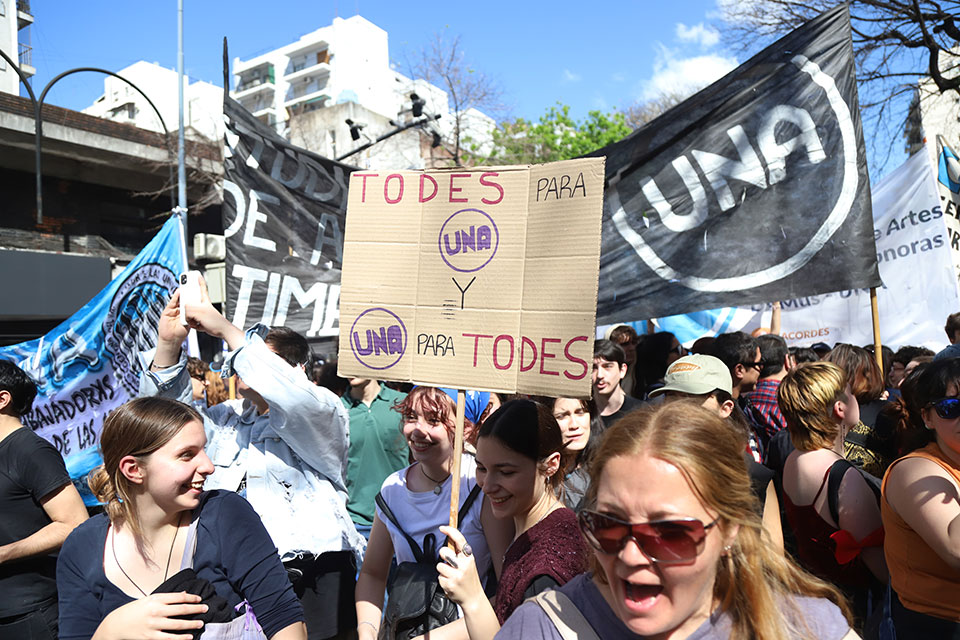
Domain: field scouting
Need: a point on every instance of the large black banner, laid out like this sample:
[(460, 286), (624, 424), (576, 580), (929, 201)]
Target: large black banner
[(283, 219), (754, 189)]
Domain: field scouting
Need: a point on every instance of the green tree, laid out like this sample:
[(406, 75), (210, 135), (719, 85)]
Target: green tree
[(556, 136)]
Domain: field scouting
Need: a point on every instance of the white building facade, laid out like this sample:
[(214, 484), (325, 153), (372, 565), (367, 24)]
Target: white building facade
[(202, 101), (345, 62), (15, 21)]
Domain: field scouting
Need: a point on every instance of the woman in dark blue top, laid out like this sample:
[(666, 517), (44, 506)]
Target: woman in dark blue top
[(156, 514)]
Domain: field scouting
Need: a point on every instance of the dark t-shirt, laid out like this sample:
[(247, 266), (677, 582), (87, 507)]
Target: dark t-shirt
[(30, 468), (629, 404), (234, 553)]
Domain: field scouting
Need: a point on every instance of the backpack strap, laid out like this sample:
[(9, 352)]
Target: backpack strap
[(414, 547), (471, 497), (837, 471), (417, 553), (566, 617)]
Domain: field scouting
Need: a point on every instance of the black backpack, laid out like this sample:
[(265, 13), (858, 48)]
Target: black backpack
[(417, 603)]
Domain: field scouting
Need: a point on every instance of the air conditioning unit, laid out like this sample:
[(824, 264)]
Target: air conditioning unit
[(209, 247)]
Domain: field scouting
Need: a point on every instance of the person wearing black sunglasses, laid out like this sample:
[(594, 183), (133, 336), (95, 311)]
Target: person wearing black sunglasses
[(921, 512), (678, 545)]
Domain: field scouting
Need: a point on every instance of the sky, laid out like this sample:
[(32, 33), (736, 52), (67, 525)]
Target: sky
[(539, 53)]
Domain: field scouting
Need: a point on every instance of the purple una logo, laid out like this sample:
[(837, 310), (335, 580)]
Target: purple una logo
[(468, 240), (378, 338)]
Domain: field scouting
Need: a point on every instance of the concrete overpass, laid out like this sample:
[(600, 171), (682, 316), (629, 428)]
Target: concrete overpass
[(105, 192)]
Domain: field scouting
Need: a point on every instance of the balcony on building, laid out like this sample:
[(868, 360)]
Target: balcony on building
[(257, 105), (25, 57), (308, 95), (254, 81), (123, 110), (24, 17), (309, 62)]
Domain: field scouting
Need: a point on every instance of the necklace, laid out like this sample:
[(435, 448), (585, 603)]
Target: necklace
[(113, 546), (437, 489)]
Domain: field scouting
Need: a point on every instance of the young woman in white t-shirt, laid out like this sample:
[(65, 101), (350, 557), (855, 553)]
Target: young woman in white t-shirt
[(419, 497)]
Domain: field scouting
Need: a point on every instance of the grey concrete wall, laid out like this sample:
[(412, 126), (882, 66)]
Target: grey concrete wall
[(39, 285)]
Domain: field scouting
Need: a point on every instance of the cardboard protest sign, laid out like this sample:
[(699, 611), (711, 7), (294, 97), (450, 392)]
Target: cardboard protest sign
[(752, 190), (478, 279)]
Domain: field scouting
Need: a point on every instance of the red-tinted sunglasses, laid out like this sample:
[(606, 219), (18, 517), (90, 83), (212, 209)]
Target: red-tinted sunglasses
[(663, 541)]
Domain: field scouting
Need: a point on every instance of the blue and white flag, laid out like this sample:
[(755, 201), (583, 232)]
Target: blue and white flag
[(87, 366)]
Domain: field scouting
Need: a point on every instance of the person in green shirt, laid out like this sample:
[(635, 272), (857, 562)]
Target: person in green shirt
[(377, 447)]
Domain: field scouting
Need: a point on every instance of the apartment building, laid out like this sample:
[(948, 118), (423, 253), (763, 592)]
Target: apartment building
[(202, 101), (347, 61), (15, 21)]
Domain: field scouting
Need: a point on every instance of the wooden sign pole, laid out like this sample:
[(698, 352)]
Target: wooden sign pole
[(875, 313), (457, 454)]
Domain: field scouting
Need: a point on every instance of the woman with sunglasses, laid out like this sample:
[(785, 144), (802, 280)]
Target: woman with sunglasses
[(921, 514), (679, 549), (519, 451), (836, 524)]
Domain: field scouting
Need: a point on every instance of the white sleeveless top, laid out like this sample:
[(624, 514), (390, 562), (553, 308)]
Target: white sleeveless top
[(420, 513)]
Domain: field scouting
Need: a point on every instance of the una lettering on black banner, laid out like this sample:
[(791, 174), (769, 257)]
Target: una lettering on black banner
[(283, 219), (754, 189)]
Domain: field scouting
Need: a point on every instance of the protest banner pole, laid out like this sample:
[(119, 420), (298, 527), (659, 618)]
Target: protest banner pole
[(875, 314), (457, 454)]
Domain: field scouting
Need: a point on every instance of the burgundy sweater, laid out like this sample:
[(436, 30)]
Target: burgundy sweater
[(553, 547)]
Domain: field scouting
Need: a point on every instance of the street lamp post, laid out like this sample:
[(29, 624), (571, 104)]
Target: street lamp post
[(38, 122)]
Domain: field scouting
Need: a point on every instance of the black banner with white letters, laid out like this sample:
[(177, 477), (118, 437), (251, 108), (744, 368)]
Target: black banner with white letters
[(754, 189), (283, 219)]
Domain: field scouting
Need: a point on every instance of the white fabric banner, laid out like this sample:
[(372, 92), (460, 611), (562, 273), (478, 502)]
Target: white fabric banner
[(913, 252)]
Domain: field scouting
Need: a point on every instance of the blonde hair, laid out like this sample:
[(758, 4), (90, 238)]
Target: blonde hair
[(806, 397), (753, 580), (137, 428)]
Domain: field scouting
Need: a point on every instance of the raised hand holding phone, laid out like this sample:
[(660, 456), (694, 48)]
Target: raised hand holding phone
[(189, 293)]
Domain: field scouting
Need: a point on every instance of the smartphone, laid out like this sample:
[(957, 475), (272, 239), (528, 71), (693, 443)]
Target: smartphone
[(189, 292)]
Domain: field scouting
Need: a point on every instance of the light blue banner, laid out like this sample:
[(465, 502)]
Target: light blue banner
[(87, 365)]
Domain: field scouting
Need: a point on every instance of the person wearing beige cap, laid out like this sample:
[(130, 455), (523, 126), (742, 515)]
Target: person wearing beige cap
[(699, 376), (707, 380)]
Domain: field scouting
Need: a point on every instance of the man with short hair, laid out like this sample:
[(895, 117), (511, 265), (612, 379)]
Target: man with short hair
[(283, 447), (39, 507), (953, 328), (609, 367), (700, 377), (901, 359), (626, 337), (377, 446), (741, 354), (763, 398)]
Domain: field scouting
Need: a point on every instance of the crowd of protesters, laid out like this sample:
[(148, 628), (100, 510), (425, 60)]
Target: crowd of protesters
[(741, 489)]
